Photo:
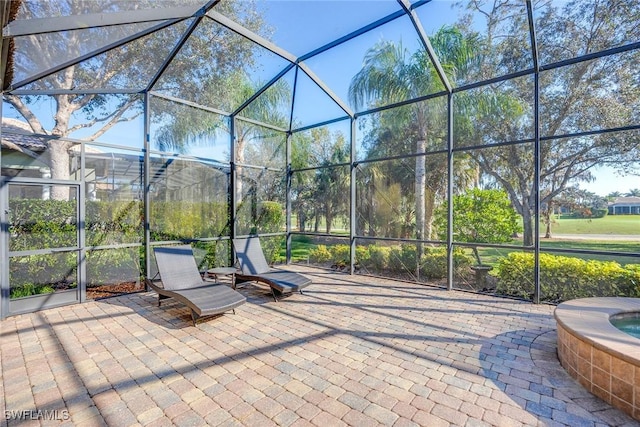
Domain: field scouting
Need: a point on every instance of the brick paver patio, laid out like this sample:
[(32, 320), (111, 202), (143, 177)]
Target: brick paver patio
[(353, 350)]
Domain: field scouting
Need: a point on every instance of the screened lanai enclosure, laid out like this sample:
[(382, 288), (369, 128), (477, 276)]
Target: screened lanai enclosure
[(473, 145)]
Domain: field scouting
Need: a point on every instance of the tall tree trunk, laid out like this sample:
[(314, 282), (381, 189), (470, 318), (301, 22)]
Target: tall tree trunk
[(370, 209), (302, 219), (59, 148), (430, 202), (420, 187), (547, 213), (240, 146), (316, 225), (420, 184), (527, 219), (59, 163)]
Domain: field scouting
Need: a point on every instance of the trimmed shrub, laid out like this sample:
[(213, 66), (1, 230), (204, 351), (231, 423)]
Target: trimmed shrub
[(114, 222), (271, 247), (340, 254), (363, 256), (434, 262), (111, 266), (188, 220), (564, 278), (403, 258), (37, 224), (320, 254), (270, 217), (216, 253), (378, 257), (599, 213), (515, 274), (29, 289), (588, 213)]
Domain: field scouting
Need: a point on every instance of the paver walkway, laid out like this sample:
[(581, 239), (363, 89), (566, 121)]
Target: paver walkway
[(353, 350)]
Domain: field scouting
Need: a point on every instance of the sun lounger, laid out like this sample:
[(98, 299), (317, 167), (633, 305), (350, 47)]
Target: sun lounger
[(254, 267), (181, 281)]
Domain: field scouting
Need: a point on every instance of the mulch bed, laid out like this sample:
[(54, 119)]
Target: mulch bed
[(106, 291)]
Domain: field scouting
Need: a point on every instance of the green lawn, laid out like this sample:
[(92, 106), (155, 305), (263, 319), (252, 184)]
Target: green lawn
[(300, 247), (610, 224)]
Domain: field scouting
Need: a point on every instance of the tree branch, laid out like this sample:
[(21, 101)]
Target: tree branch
[(16, 147), (118, 112), (33, 121), (115, 119)]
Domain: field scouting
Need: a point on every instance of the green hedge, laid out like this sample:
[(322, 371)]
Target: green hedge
[(434, 262), (28, 289), (336, 255), (402, 258), (188, 220), (564, 278), (38, 224), (589, 213), (378, 257), (270, 218), (42, 273), (399, 259), (320, 255)]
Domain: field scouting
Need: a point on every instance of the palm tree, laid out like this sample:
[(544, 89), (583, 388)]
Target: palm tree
[(634, 192), (391, 74), (192, 127), (331, 186), (613, 196)]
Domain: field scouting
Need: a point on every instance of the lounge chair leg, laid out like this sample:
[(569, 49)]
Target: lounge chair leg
[(160, 298), (273, 292), (194, 318)]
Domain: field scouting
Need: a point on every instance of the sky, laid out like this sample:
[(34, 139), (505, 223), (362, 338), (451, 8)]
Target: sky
[(303, 25), (607, 181)]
